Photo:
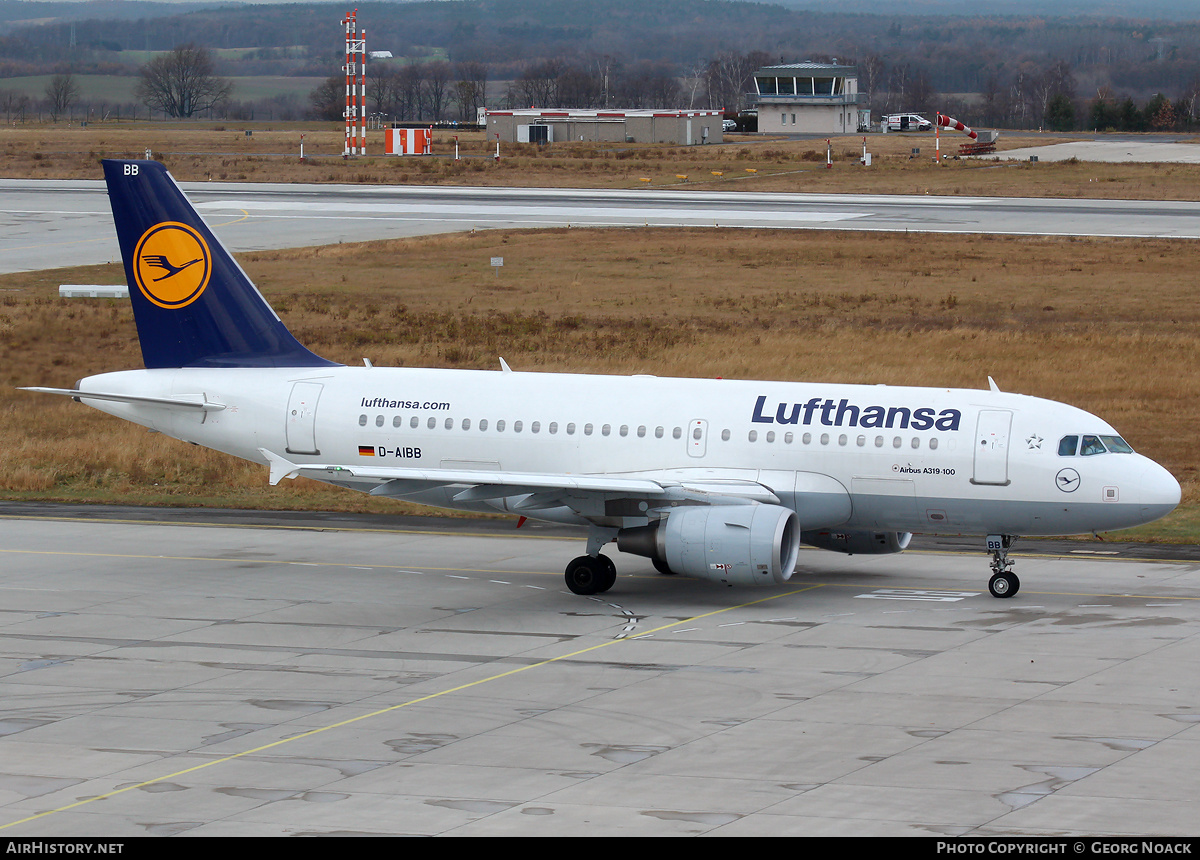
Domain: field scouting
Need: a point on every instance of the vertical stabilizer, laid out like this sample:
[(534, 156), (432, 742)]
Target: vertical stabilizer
[(193, 304)]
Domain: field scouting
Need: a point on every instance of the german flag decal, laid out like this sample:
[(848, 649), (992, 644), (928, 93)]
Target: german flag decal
[(366, 450)]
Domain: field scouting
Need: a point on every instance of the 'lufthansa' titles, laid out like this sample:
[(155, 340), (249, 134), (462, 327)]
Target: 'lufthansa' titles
[(842, 413)]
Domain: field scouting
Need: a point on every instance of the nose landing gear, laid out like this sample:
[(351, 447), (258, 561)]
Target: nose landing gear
[(1004, 583)]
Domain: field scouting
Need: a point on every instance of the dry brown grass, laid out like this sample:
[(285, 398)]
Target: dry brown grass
[(217, 152), (1108, 325)]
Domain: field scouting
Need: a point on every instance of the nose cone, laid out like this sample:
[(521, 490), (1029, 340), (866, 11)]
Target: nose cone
[(1158, 491)]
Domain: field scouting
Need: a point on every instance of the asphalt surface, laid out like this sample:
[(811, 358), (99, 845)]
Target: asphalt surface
[(47, 223), (283, 675), (503, 526)]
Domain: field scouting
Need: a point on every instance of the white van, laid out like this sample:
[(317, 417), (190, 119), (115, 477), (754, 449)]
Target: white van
[(906, 122)]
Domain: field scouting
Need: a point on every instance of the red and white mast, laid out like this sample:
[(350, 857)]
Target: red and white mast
[(356, 86)]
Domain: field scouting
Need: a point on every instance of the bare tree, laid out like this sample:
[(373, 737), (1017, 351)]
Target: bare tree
[(328, 101), (538, 84), (435, 92), (870, 76), (61, 93), (470, 92), (15, 104), (182, 83)]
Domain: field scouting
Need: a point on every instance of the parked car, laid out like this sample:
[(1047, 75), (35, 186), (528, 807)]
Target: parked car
[(728, 125)]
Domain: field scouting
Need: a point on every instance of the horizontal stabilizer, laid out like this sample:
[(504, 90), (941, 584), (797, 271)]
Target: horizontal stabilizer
[(201, 403)]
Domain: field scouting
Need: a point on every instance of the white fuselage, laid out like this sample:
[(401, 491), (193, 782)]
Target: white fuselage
[(849, 456)]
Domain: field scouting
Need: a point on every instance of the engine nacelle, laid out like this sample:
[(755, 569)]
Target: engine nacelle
[(858, 543), (734, 544)]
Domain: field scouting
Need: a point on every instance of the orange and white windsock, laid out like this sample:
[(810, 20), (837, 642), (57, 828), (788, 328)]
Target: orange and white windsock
[(950, 122)]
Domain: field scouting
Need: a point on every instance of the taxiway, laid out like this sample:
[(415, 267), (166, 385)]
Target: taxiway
[(309, 676)]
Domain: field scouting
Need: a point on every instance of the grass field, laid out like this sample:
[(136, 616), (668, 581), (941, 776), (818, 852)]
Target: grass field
[(1108, 325), (222, 151)]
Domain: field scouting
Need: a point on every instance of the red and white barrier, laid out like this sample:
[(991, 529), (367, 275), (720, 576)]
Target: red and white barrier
[(408, 141)]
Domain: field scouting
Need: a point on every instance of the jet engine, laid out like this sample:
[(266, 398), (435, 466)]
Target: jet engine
[(734, 544), (858, 543)]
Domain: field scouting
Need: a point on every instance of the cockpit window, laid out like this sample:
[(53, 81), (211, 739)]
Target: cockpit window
[(1116, 444), (1091, 445), (1067, 446)]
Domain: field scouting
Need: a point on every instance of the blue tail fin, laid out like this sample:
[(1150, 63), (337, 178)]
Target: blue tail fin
[(193, 304)]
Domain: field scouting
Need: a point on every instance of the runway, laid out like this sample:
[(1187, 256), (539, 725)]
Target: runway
[(301, 675), (46, 223)]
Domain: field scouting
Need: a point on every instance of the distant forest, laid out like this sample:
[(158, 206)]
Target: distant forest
[(1012, 71)]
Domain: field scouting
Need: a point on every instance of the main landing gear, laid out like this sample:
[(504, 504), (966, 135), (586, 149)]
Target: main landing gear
[(1004, 582), (593, 573)]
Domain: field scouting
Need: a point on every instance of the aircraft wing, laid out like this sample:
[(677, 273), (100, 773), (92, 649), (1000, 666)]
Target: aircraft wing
[(544, 489)]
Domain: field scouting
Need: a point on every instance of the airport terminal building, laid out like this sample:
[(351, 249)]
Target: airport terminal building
[(810, 98)]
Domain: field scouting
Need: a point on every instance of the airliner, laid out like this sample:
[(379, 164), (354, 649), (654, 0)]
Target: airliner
[(716, 479)]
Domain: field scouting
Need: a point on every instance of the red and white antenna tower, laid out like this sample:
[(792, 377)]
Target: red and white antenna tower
[(356, 86)]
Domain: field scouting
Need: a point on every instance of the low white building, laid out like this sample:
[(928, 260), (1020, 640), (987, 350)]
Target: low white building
[(810, 98), (680, 127)]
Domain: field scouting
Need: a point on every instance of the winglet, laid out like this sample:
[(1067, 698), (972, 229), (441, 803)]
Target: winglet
[(280, 468), (993, 386)]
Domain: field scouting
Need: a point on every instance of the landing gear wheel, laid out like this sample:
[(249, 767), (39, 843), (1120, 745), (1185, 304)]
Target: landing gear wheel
[(591, 575), (661, 567), (609, 578), (1004, 584)]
